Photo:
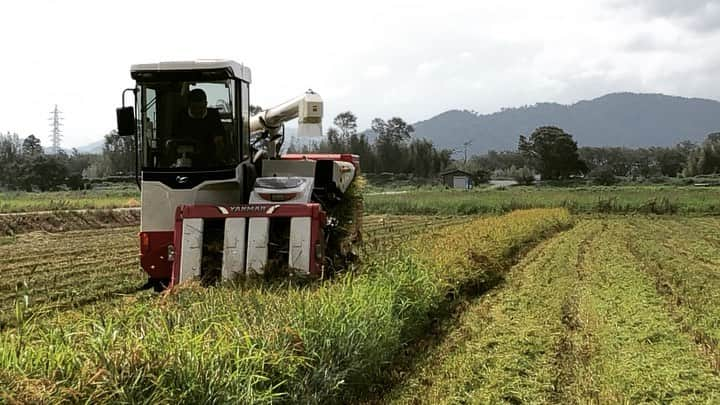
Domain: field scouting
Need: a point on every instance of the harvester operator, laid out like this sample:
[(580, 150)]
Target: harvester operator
[(200, 127)]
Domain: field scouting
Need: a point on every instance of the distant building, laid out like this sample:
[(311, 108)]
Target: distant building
[(456, 178)]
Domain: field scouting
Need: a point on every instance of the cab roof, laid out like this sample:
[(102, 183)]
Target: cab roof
[(238, 70)]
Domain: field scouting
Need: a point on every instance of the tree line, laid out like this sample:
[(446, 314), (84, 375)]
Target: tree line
[(554, 155), (548, 152), (25, 166), (392, 148)]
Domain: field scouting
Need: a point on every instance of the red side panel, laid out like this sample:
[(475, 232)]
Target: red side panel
[(153, 253), (343, 157)]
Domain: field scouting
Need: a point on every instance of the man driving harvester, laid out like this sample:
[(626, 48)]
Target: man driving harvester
[(197, 133)]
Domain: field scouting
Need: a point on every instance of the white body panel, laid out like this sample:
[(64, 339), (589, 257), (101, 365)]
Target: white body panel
[(299, 256), (233, 262), (160, 201), (258, 238), (192, 242)]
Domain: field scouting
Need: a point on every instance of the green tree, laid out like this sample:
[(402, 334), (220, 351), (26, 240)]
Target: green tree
[(671, 161), (118, 154), (391, 138), (706, 158), (421, 154), (31, 146), (523, 176), (603, 176), (41, 173), (552, 152), (395, 129), (493, 160), (333, 140), (346, 122)]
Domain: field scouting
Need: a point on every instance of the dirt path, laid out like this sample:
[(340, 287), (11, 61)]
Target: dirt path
[(61, 221), (82, 211)]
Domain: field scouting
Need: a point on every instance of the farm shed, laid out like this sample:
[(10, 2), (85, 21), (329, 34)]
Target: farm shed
[(456, 178)]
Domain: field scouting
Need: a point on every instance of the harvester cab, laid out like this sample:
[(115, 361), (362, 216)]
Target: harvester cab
[(217, 199)]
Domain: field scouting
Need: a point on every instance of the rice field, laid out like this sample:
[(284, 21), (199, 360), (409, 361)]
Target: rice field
[(257, 343), (45, 272), (616, 310), (653, 199), (533, 306)]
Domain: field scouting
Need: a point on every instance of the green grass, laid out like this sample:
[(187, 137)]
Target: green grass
[(68, 200), (660, 199), (620, 199), (327, 342)]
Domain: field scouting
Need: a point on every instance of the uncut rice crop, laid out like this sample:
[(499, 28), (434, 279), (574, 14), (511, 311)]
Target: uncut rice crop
[(250, 343), (54, 271)]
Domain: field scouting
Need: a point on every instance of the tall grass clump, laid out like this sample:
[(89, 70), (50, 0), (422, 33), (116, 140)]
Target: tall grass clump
[(259, 343)]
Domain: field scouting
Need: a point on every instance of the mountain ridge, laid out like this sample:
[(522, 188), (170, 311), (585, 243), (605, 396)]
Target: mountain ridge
[(615, 119)]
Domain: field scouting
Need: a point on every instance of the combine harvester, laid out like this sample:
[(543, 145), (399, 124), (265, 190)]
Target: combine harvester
[(218, 200)]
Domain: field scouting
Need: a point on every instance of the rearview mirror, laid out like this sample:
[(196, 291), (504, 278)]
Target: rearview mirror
[(126, 121)]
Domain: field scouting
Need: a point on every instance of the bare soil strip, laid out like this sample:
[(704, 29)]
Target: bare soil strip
[(61, 221)]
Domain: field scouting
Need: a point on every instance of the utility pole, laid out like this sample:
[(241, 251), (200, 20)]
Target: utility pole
[(466, 145), (55, 131)]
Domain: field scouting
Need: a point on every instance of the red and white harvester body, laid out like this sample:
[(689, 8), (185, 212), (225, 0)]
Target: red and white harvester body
[(218, 201)]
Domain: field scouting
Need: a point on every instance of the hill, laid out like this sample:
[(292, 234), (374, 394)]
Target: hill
[(618, 119), (95, 147)]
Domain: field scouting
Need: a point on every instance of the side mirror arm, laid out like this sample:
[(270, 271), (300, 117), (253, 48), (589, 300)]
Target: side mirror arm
[(127, 126)]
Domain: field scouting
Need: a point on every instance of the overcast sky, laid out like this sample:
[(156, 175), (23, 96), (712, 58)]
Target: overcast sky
[(385, 58)]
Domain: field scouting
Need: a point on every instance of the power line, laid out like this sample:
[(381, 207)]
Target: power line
[(55, 132)]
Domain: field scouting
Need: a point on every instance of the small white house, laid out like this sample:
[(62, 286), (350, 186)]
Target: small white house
[(457, 179)]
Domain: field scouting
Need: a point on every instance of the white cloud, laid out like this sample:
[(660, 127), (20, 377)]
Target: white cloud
[(412, 59), (428, 69), (376, 72)]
